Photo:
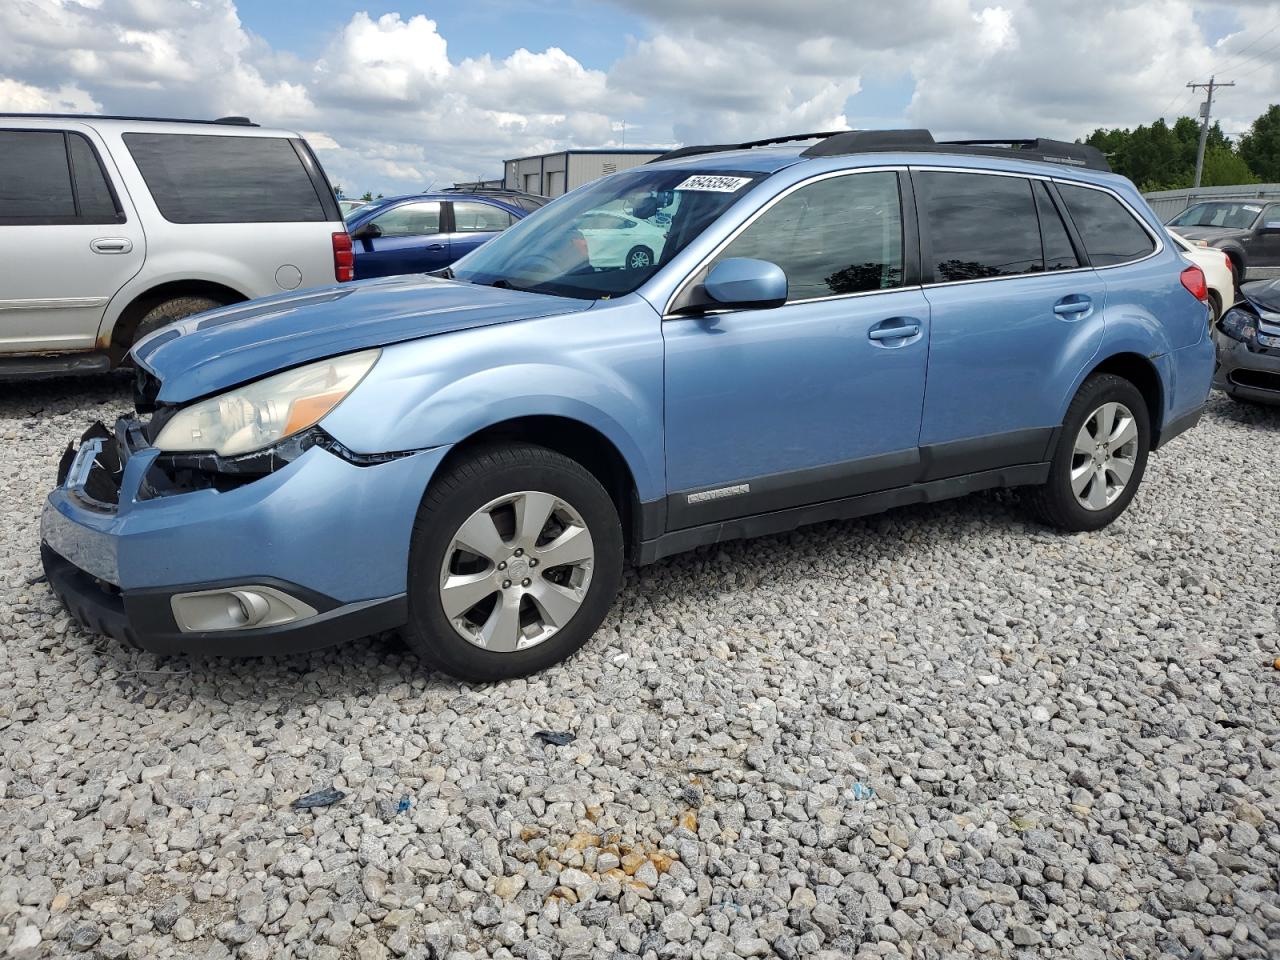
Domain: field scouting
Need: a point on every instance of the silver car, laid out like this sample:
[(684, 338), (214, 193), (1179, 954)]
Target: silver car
[(111, 227)]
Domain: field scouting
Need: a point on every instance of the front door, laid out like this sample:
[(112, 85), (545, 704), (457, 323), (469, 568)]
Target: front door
[(1016, 318), (475, 222), (814, 400), (1265, 251), (67, 241), (410, 238)]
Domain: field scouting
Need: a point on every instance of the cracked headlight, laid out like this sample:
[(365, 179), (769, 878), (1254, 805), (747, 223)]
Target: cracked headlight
[(259, 414)]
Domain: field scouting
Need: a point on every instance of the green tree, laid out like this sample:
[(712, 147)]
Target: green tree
[(366, 196), (1260, 147), (1223, 167)]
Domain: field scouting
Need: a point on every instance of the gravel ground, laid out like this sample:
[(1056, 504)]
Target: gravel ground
[(943, 731)]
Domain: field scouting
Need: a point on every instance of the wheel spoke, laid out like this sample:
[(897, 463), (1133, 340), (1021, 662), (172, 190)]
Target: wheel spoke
[(460, 592), (1084, 442), (1080, 477), (1121, 468), (556, 604), (1126, 431), (501, 632), (1106, 419), (1098, 489), (481, 537), (533, 510), (572, 546)]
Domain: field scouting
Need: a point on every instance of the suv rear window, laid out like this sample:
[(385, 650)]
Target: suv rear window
[(198, 178), (37, 185), (1110, 233)]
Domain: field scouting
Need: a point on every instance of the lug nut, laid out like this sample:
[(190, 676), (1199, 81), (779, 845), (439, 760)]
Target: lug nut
[(533, 561), (502, 565), (506, 584), (519, 551), (525, 582)]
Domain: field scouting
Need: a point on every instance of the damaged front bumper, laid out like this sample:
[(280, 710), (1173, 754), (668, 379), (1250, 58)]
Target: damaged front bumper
[(183, 556), (1250, 371)]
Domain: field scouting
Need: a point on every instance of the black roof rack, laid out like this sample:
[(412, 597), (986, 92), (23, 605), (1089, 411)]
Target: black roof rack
[(226, 121), (844, 142)]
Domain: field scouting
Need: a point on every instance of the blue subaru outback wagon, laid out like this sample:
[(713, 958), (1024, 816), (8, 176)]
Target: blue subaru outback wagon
[(834, 325)]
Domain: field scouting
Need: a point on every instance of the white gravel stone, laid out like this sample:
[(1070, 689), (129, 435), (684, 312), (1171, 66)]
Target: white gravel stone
[(941, 731)]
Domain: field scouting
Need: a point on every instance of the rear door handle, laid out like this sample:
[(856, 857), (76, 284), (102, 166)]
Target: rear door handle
[(1073, 304), (111, 245), (895, 329)]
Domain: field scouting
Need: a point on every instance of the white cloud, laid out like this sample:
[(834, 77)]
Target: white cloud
[(391, 109)]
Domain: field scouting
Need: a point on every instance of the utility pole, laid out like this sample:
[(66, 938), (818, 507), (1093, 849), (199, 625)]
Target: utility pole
[(1206, 109)]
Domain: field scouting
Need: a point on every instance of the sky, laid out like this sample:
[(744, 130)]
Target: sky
[(401, 96)]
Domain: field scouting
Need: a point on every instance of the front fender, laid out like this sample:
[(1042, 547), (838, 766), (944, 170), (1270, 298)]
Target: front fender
[(602, 368)]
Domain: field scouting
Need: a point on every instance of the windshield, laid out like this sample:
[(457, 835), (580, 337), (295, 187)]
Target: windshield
[(607, 238), (1236, 216)]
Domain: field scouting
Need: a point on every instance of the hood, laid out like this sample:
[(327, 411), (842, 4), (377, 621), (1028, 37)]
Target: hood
[(211, 352), (1263, 294), (1210, 233)]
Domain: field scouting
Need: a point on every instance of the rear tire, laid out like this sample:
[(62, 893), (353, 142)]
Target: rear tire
[(481, 548), (1099, 459), (169, 311)]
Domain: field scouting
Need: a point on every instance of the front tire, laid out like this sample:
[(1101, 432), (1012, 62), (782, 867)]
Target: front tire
[(1100, 456), (515, 560)]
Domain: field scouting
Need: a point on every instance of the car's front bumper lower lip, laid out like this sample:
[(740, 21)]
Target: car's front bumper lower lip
[(1248, 374), (323, 531)]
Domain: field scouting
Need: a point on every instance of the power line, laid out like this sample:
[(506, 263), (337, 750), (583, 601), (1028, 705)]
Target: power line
[(1264, 65), (1232, 63)]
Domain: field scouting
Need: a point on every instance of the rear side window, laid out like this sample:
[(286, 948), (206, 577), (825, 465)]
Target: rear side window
[(218, 179), (472, 217), (836, 236), (1110, 233), (1058, 252), (979, 226), (52, 177)]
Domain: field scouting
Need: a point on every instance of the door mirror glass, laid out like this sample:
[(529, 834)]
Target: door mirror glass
[(746, 284), (367, 232)]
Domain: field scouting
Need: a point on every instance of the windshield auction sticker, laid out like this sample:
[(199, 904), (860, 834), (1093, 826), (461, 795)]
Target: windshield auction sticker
[(712, 184)]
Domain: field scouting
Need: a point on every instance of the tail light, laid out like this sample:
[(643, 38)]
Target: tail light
[(1231, 266), (344, 261), (1193, 279)]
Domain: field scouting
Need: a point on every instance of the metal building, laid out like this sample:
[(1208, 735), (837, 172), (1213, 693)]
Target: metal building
[(551, 174)]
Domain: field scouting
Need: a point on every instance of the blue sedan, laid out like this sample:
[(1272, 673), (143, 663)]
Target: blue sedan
[(424, 232)]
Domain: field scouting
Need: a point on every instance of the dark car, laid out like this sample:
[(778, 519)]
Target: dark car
[(1246, 231), (1248, 340), (425, 232)]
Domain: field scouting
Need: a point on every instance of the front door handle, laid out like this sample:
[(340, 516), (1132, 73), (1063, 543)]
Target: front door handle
[(434, 246), (111, 245), (899, 328), (1073, 305)]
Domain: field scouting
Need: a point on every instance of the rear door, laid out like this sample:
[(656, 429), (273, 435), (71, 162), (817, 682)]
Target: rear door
[(413, 239), (68, 239), (1016, 316), (474, 222)]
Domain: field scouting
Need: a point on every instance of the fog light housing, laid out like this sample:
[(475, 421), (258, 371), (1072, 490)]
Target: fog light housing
[(249, 607)]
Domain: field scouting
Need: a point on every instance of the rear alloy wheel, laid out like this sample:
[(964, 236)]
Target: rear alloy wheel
[(516, 558), (639, 258), (1100, 456)]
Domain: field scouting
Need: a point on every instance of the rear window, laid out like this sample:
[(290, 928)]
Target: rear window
[(52, 177), (218, 179), (1110, 233)]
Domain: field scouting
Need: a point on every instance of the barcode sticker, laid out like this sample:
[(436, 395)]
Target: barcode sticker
[(713, 184)]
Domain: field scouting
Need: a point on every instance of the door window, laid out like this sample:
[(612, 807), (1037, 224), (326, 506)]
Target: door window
[(837, 236), (205, 178), (51, 177), (979, 226), (471, 217), (1058, 252), (1110, 233), (410, 220)]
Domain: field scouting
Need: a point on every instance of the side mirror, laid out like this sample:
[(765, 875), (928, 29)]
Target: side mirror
[(369, 231), (746, 284)]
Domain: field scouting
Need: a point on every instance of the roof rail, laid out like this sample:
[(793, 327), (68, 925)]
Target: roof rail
[(843, 142), (236, 121)]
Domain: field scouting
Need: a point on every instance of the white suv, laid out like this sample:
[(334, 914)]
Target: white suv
[(113, 226)]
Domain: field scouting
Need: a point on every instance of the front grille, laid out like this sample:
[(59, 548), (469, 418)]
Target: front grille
[(1256, 379), (97, 483)]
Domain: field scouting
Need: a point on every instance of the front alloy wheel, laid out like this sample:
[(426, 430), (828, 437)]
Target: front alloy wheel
[(517, 571)]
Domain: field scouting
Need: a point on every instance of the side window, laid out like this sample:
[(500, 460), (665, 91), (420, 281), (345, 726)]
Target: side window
[(97, 204), (472, 217), (1058, 252), (839, 235), (410, 220), (35, 181), (1270, 215), (210, 178), (1110, 233), (979, 225)]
